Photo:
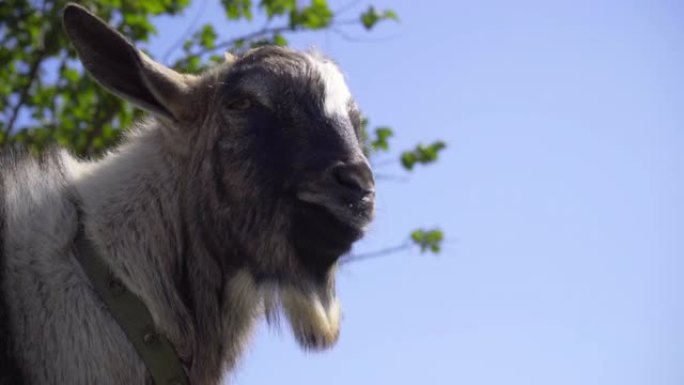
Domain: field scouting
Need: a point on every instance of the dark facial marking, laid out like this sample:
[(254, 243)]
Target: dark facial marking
[(273, 105)]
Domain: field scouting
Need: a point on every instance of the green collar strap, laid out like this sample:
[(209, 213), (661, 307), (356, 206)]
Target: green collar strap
[(132, 315)]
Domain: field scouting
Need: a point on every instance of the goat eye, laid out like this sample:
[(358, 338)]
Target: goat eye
[(241, 104)]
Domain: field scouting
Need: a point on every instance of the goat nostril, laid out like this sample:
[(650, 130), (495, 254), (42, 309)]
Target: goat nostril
[(355, 176)]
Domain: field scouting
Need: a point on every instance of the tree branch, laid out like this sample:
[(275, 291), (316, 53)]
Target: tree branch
[(247, 37), (395, 178), (32, 75), (264, 32), (60, 86), (384, 162), (376, 254), (349, 5), (185, 33), (105, 113), (355, 39)]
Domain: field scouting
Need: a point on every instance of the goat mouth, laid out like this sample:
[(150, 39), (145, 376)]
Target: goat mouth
[(320, 237), (355, 208)]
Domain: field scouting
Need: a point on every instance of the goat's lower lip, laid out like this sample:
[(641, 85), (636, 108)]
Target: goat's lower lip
[(355, 210), (326, 224), (321, 237)]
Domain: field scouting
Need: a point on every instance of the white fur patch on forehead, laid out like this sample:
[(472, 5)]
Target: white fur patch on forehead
[(337, 95)]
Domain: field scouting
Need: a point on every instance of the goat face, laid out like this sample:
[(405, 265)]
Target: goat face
[(288, 177), (297, 130), (274, 179)]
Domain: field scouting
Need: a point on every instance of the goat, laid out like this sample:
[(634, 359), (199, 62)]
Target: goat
[(235, 199)]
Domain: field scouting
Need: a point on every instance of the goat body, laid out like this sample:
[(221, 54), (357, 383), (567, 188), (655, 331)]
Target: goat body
[(236, 198)]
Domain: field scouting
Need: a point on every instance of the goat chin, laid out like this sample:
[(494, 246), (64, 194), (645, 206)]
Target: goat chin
[(314, 317), (315, 322)]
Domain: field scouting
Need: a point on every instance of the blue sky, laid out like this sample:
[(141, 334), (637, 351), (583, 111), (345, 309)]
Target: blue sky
[(561, 194)]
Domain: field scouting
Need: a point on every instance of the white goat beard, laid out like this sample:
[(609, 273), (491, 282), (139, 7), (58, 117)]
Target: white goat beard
[(315, 323)]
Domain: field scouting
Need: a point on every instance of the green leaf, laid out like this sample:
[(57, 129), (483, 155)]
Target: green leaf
[(316, 16), (276, 39), (238, 9), (207, 36), (191, 64), (239, 44), (137, 26), (156, 7), (422, 154), (277, 7), (428, 240), (217, 59), (371, 17), (408, 160), (187, 45), (390, 15), (71, 75), (381, 141), (280, 40)]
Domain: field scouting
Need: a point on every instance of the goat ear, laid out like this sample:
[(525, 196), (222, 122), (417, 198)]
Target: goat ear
[(125, 71)]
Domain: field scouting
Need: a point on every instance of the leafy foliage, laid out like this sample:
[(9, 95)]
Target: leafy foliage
[(428, 240), (46, 99), (381, 141), (315, 16), (371, 17), (238, 9), (422, 154), (277, 7)]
